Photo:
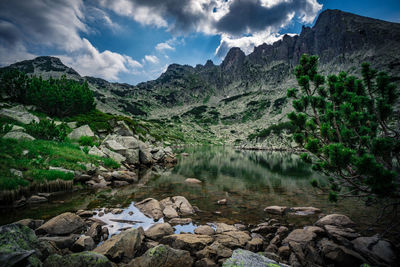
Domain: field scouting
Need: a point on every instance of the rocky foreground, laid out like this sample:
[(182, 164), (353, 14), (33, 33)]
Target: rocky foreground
[(83, 239)]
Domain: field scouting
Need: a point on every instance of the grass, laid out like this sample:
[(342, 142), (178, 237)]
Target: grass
[(39, 155), (50, 175), (275, 128)]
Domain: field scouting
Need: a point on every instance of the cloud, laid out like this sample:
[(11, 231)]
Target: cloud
[(58, 25), (150, 59), (164, 46)]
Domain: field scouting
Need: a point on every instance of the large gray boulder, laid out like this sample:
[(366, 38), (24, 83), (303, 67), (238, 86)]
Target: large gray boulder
[(377, 250), (122, 129), (145, 156), (18, 136), (122, 247), (96, 152), (245, 258), (18, 113), (63, 224), (82, 259), (77, 133), (163, 256), (111, 154)]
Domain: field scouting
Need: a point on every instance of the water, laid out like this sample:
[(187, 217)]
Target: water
[(249, 180)]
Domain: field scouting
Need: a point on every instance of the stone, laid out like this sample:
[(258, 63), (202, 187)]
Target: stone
[(190, 242), (150, 207), (82, 259), (20, 114), (170, 212), (96, 152), (223, 227), (193, 181), (83, 130), (283, 231), (36, 199), (339, 255), (129, 142), (376, 250), (204, 230), (72, 124), (159, 230), (114, 146), (179, 203), (304, 211), (126, 176), (337, 220), (31, 223), (341, 235), (19, 246), (63, 224), (18, 136), (279, 210), (117, 211), (61, 241), (17, 128), (145, 156), (245, 258), (220, 250), (94, 232), (123, 246), (61, 170), (111, 154), (84, 243), (85, 213), (205, 262), (255, 244), (180, 221), (284, 252), (222, 201), (301, 236), (233, 239), (264, 229), (122, 129), (163, 256)]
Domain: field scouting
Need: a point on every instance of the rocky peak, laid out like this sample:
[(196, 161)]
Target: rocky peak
[(209, 64), (233, 59)]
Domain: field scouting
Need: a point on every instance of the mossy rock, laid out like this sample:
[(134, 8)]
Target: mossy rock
[(19, 246), (245, 258), (82, 259)]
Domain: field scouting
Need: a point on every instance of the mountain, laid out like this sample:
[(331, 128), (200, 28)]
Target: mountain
[(244, 94)]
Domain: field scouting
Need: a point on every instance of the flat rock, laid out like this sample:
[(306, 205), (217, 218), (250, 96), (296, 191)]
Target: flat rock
[(300, 236), (304, 211), (180, 221), (126, 176), (159, 230), (190, 242), (279, 210), (61, 241), (335, 219), (245, 258), (36, 199), (82, 259), (204, 230), (233, 239), (223, 227), (18, 113), (63, 224), (150, 207), (193, 181), (18, 136)]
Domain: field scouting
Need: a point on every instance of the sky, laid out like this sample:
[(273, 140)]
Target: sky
[(133, 41)]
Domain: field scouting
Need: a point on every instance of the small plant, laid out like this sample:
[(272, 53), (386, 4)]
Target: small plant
[(5, 128), (86, 141), (47, 130), (110, 163), (86, 149)]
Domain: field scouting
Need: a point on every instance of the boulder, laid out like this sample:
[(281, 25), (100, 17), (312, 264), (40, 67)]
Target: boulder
[(179, 203), (245, 258), (95, 232), (61, 241), (114, 146), (96, 152), (129, 142), (233, 239), (193, 181), (204, 230), (205, 262), (111, 154), (279, 210), (82, 259), (159, 230), (341, 235), (19, 246), (335, 219), (18, 136), (301, 236), (145, 156), (150, 207), (255, 244), (36, 199), (122, 129), (170, 212), (163, 256), (223, 227), (83, 130), (72, 124), (63, 224), (84, 243), (18, 113), (339, 255), (85, 213), (180, 221), (126, 176), (190, 242), (17, 128), (123, 246), (376, 250)]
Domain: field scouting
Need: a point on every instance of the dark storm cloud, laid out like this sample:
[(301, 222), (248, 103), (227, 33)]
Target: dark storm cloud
[(251, 16)]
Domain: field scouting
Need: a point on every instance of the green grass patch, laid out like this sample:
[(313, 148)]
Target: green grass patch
[(50, 175), (275, 128), (110, 163), (86, 141)]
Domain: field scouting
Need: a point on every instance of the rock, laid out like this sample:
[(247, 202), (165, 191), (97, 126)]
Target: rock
[(126, 176), (255, 244), (145, 156), (120, 183), (122, 246), (63, 224), (205, 262), (18, 113), (150, 207), (264, 229), (304, 211), (111, 154), (193, 181), (129, 142), (179, 203), (283, 231), (279, 210), (72, 124), (376, 250), (82, 259), (33, 224), (114, 146), (337, 220), (204, 230), (16, 173), (96, 152), (163, 256), (341, 235), (170, 212), (61, 170), (36, 199), (190, 242), (84, 243), (94, 232), (271, 248), (233, 239), (223, 227), (245, 258), (61, 241), (122, 129), (17, 128), (77, 133), (222, 201), (301, 236), (159, 230), (85, 213), (117, 211), (284, 252), (339, 255), (184, 154), (19, 246), (18, 136), (220, 250), (180, 221)]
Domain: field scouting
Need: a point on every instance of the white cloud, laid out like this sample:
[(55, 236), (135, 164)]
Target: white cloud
[(151, 59), (164, 46)]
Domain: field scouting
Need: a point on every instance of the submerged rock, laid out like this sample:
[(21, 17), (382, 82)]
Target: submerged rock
[(82, 259), (276, 209), (245, 258), (163, 256)]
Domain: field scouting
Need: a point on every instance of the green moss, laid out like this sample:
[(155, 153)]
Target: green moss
[(157, 251)]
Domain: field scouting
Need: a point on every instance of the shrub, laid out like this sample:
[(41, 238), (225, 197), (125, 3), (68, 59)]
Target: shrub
[(47, 130), (86, 141), (110, 163)]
